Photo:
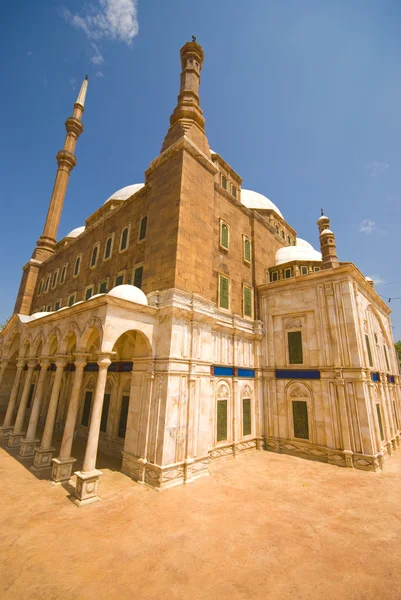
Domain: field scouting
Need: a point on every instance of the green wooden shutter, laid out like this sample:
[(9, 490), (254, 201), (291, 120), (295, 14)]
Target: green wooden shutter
[(300, 416), (88, 293), (122, 426), (87, 409), (246, 417), (94, 256), (124, 239), (224, 292), (138, 277), (103, 287), (369, 350), (247, 302), (224, 235), (105, 412), (247, 250), (295, 347), (379, 418), (221, 420), (119, 280)]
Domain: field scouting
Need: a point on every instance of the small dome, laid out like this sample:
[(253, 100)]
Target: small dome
[(322, 218), (126, 192), (130, 293), (369, 279), (303, 250), (252, 199), (325, 231), (76, 232), (39, 315)]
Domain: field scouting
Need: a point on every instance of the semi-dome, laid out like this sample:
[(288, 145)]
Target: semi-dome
[(125, 192), (303, 250), (130, 293), (76, 232), (255, 200)]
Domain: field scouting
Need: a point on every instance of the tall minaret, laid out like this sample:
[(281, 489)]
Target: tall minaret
[(327, 243), (187, 118), (66, 162)]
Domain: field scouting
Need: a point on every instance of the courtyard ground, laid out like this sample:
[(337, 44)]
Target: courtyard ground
[(261, 526)]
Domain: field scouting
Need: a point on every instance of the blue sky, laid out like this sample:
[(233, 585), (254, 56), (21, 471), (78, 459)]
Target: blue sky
[(302, 98)]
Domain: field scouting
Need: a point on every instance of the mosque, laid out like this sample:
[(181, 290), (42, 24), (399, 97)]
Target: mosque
[(185, 322)]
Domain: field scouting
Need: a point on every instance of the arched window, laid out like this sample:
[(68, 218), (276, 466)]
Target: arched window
[(247, 249), (77, 265), (223, 395), (124, 239), (224, 235), (299, 397), (108, 248), (246, 411), (95, 253), (143, 228)]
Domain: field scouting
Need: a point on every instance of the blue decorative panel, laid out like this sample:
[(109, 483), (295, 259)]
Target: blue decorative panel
[(250, 373), (375, 376), (92, 366), (222, 371), (69, 367), (297, 374), (125, 367)]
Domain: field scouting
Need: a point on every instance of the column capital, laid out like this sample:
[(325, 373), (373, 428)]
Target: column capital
[(21, 363), (80, 361), (44, 362), (60, 360), (104, 360), (32, 362), (3, 362)]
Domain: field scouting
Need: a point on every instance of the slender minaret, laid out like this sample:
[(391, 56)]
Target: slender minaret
[(187, 118), (46, 244), (327, 243), (66, 162)]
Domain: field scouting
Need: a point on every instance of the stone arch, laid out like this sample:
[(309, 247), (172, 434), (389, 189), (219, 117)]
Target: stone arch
[(70, 337), (299, 415), (52, 344), (38, 345), (132, 344), (246, 391), (92, 336), (377, 317), (26, 345), (13, 344)]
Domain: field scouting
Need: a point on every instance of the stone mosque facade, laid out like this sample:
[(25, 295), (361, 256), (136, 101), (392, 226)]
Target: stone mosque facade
[(186, 322)]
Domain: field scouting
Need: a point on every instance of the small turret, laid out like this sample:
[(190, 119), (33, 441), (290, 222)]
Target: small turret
[(327, 243)]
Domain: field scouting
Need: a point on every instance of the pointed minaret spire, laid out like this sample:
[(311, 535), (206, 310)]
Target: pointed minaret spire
[(66, 162), (187, 118), (327, 243)]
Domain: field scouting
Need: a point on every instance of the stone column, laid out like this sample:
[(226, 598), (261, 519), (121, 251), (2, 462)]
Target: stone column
[(88, 478), (3, 367), (44, 454), (15, 437), (7, 428), (344, 423), (62, 466), (28, 444)]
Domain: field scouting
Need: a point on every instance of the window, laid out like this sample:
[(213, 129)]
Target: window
[(224, 292), (234, 191), (224, 235), (122, 425), (108, 249), (103, 286), (87, 409), (246, 249), (368, 350), (54, 279), (247, 301), (40, 287), (63, 274), (289, 239), (376, 338), (221, 420), (379, 418), (295, 354), (71, 299), (386, 357), (95, 255), (274, 276), (105, 412), (300, 418), (47, 283), (246, 416), (277, 229), (138, 273), (287, 273), (142, 228), (57, 305), (88, 292), (77, 266), (124, 239), (304, 270), (224, 182), (283, 234), (316, 269), (49, 308), (119, 280)]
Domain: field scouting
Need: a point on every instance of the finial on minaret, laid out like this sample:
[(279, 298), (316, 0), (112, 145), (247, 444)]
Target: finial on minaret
[(321, 212), (327, 243), (193, 38)]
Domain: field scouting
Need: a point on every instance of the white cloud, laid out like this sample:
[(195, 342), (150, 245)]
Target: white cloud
[(377, 280), (367, 226), (99, 74), (29, 53), (112, 19), (73, 83), (97, 58), (376, 168)]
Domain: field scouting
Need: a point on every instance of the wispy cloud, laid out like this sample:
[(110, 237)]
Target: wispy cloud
[(97, 58), (29, 53), (377, 168), (367, 226), (73, 83), (99, 74), (377, 280), (110, 19)]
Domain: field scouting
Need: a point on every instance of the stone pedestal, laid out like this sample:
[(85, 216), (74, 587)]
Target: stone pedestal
[(86, 489), (4, 433), (27, 448), (62, 469), (14, 439), (43, 459)]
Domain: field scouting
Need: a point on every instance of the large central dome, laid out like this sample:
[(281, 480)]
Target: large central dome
[(255, 200)]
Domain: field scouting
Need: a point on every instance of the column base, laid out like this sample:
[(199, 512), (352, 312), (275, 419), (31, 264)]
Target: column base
[(86, 490), (4, 433), (62, 469), (14, 439), (43, 459), (27, 448)]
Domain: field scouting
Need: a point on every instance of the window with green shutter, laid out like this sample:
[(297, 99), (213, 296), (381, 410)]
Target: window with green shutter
[(103, 287), (224, 284), (138, 277), (379, 418), (143, 227), (88, 293), (119, 280), (246, 417), (87, 409), (224, 235), (369, 350), (221, 420), (247, 249), (224, 182), (295, 347), (248, 308), (300, 417), (124, 239)]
